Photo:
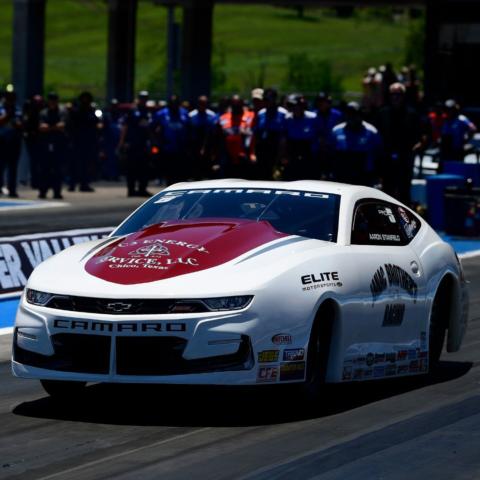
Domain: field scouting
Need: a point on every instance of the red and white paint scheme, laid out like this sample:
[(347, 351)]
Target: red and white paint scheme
[(232, 282)]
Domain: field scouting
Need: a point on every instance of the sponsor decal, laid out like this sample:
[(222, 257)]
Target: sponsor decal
[(293, 355), (179, 193), (413, 367), (176, 248), (292, 371), (267, 374), (119, 327), (268, 356), (378, 372), (402, 370), (159, 246), (408, 224), (390, 370), (320, 280), (347, 373), (118, 307), (391, 357), (360, 360), (423, 365), (393, 276), (368, 373), (423, 341), (387, 212), (402, 355), (393, 316), (282, 339), (358, 374), (412, 354), (370, 359), (380, 358), (384, 237), (20, 255)]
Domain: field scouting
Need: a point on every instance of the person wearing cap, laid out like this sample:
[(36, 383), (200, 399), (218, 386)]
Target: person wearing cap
[(269, 131), (83, 126), (301, 140), (235, 149), (327, 118), (403, 133), (457, 130), (170, 126), (53, 143), (202, 123), (134, 144), (356, 148), (257, 99)]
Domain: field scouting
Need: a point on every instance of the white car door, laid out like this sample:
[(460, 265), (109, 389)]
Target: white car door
[(389, 329)]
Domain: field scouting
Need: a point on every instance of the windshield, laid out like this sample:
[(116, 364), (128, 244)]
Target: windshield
[(308, 214)]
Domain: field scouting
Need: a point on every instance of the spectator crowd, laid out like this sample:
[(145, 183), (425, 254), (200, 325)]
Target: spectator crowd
[(372, 143)]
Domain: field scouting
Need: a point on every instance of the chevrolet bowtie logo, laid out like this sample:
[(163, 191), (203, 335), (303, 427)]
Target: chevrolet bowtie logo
[(119, 307)]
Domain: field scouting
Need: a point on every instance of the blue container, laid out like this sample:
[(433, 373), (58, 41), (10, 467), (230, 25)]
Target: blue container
[(436, 185), (466, 170)]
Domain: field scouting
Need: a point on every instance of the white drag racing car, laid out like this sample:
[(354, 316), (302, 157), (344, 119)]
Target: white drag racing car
[(232, 282)]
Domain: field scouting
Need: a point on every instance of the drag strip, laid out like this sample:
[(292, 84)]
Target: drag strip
[(396, 429)]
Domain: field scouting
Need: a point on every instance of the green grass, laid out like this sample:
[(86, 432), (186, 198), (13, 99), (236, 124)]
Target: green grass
[(248, 40)]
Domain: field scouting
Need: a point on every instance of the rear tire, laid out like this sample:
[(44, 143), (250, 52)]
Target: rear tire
[(62, 388)]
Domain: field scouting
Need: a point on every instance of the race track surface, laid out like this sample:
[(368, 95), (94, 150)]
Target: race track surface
[(412, 428)]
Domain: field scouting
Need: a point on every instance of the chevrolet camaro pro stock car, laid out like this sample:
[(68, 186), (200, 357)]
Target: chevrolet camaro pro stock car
[(232, 282)]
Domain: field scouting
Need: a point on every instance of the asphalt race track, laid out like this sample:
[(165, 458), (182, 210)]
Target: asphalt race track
[(414, 428)]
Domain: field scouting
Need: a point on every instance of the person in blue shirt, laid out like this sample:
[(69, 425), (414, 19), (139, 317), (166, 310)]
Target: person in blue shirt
[(357, 149), (202, 123), (112, 127), (301, 141), (457, 129), (10, 142), (170, 126), (269, 131), (327, 118), (83, 126), (134, 144)]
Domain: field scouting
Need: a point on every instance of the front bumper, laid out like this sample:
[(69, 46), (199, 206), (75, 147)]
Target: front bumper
[(214, 348)]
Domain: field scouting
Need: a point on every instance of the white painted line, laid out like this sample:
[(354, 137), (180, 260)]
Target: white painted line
[(123, 454), (6, 331), (472, 254), (6, 296), (80, 231), (33, 206)]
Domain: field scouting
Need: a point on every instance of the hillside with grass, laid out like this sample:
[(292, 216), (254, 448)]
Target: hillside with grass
[(253, 45)]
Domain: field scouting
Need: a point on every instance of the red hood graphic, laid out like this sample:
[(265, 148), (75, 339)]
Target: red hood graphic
[(176, 248)]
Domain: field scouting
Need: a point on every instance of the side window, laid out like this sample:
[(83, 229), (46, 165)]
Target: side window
[(409, 223), (377, 223)]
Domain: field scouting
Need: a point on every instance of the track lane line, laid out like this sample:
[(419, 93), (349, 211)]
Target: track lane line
[(123, 454)]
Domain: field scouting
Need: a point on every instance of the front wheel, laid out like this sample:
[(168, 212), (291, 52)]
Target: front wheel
[(62, 388), (438, 326), (319, 351)]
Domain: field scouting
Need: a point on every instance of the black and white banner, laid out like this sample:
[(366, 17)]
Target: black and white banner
[(20, 255)]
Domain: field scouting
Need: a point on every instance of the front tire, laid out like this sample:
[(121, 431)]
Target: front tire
[(438, 325), (319, 351), (63, 388)]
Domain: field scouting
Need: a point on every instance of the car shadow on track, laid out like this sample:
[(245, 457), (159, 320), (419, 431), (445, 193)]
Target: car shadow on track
[(223, 406)]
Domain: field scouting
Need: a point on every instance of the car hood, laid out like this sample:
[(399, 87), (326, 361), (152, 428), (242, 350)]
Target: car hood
[(175, 257)]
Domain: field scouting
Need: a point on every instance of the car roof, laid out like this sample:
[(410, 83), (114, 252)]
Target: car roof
[(302, 185)]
